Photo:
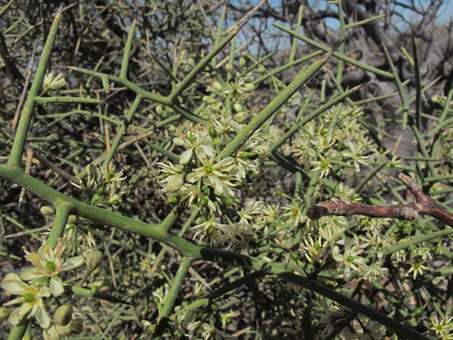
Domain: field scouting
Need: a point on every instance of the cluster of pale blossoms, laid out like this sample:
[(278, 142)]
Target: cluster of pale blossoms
[(211, 182), (34, 284), (102, 186), (337, 142)]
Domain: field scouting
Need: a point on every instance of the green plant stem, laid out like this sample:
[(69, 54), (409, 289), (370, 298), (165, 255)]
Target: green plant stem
[(336, 54), (294, 44), (416, 240), (26, 116), (177, 282), (61, 218), (68, 99), (17, 332), (355, 306), (123, 129), (273, 106), (297, 125), (127, 51), (197, 69), (340, 64), (287, 66)]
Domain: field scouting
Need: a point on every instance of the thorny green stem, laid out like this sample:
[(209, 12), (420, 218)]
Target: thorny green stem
[(61, 217), (25, 119), (273, 106)]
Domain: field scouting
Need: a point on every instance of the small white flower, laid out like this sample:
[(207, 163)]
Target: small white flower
[(50, 263), (51, 83), (215, 174), (31, 298), (198, 142)]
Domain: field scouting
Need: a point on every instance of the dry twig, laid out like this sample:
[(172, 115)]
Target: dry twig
[(424, 205)]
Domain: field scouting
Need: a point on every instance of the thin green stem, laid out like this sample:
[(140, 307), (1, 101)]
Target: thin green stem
[(336, 54), (355, 306), (127, 51), (170, 300), (123, 129), (27, 113), (297, 125), (273, 106), (61, 218), (68, 99), (201, 65), (416, 240)]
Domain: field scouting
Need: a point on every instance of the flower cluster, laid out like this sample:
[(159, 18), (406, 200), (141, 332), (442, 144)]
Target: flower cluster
[(102, 186), (337, 143), (36, 283)]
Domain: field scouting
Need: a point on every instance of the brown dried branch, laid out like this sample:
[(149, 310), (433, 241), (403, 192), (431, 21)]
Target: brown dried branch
[(424, 205)]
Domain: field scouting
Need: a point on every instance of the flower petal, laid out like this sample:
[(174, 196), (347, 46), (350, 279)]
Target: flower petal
[(56, 287), (42, 317), (13, 284), (32, 273), (73, 262), (185, 157)]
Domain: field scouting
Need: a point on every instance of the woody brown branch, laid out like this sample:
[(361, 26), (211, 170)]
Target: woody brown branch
[(424, 205)]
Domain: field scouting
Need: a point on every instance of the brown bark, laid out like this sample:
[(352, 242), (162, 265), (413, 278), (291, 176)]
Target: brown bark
[(424, 205)]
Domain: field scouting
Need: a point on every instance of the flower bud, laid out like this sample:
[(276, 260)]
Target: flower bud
[(212, 132), (241, 117), (64, 330), (63, 315), (94, 259), (203, 202), (175, 183), (159, 109), (229, 200), (47, 210), (242, 62), (237, 107), (229, 68), (217, 85), (249, 86)]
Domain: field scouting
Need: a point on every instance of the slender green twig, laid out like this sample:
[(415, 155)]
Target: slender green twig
[(25, 119), (63, 209)]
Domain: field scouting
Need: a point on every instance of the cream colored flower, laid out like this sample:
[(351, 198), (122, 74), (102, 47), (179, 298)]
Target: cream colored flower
[(50, 263), (198, 142), (31, 298), (215, 174)]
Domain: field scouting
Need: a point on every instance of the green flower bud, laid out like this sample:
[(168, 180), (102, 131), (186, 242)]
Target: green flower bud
[(237, 107), (212, 132), (159, 109), (174, 199), (241, 117), (249, 86), (94, 259), (217, 85), (261, 69), (64, 330), (63, 315), (242, 62), (418, 311), (175, 183), (47, 210), (229, 201), (203, 202), (229, 68)]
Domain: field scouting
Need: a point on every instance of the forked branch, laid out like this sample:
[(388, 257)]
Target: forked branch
[(424, 205)]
